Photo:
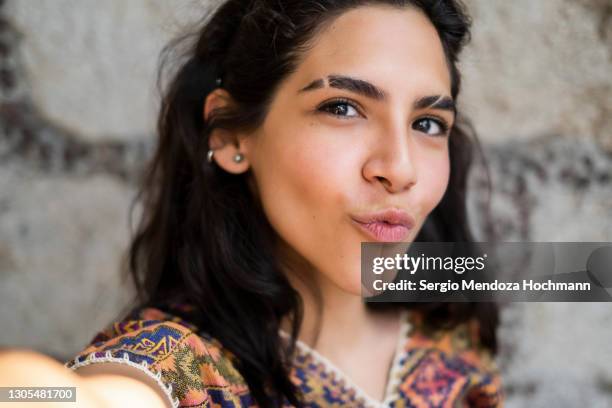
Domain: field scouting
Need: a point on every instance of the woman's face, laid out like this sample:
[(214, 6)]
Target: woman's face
[(333, 150)]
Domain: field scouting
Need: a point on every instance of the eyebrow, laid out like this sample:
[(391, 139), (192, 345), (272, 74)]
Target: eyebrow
[(370, 90)]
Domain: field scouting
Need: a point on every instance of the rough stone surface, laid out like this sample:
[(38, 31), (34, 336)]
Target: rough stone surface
[(553, 188), (94, 72), (538, 68), (76, 123), (557, 354), (61, 238), (550, 189)]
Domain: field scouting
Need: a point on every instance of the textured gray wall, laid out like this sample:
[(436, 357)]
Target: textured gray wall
[(77, 108)]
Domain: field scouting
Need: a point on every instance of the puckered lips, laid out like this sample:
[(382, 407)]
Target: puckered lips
[(390, 225)]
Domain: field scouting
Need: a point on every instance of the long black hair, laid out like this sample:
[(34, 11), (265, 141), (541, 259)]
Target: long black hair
[(203, 237)]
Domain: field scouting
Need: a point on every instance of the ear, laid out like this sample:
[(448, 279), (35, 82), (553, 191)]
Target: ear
[(228, 146)]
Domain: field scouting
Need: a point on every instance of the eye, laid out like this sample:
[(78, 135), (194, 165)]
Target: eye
[(431, 126), (340, 107)]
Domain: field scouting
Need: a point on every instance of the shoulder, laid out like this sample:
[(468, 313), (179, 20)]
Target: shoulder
[(451, 364), (191, 367)]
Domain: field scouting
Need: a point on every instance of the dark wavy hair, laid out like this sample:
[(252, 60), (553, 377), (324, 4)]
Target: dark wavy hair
[(203, 237)]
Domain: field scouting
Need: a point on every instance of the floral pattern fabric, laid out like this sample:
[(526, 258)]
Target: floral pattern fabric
[(441, 369)]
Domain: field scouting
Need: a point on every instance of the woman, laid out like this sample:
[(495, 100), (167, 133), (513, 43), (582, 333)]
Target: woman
[(292, 132)]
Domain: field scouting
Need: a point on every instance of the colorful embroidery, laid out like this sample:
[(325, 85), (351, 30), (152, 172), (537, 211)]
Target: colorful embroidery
[(441, 370)]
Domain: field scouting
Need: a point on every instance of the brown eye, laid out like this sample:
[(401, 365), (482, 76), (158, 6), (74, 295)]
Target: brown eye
[(341, 108), (430, 126)]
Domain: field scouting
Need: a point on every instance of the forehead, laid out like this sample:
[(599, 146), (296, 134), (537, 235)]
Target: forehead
[(395, 48)]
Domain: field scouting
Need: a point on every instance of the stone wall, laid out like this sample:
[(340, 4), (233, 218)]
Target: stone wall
[(77, 108)]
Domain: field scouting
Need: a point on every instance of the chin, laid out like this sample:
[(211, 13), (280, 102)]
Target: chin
[(349, 283)]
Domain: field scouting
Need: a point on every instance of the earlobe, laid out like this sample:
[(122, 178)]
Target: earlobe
[(226, 153), (232, 162)]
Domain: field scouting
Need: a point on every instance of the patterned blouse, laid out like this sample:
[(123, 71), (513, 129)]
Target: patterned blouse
[(193, 369)]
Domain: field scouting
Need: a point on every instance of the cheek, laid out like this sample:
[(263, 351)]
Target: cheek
[(301, 188), (434, 176), (305, 194)]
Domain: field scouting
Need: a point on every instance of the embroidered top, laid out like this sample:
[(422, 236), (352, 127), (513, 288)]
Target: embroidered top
[(441, 369)]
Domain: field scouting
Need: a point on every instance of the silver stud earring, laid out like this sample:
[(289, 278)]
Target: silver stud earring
[(209, 155), (238, 157)]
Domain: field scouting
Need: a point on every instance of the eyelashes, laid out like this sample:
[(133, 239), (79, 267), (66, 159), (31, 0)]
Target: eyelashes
[(332, 107), (345, 109), (440, 126)]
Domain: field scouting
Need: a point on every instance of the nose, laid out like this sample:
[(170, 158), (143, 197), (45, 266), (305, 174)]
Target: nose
[(392, 162)]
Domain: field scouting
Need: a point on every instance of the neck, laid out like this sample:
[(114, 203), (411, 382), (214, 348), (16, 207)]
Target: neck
[(337, 324), (332, 314)]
